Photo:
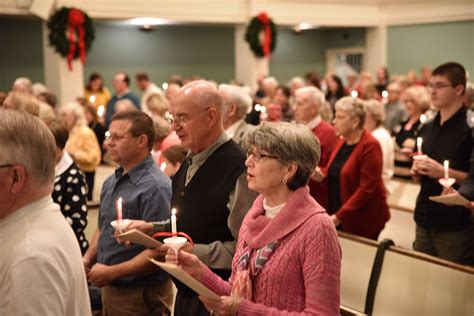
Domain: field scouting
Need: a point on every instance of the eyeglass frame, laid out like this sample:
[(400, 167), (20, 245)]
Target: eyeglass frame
[(182, 119), (439, 86), (109, 137), (258, 156)]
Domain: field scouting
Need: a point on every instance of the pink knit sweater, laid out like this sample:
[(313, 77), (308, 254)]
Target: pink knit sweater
[(302, 276)]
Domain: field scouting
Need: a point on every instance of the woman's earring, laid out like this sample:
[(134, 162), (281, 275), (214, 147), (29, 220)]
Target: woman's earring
[(285, 181)]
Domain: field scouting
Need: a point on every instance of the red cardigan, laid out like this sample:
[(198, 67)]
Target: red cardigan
[(364, 209), (328, 139)]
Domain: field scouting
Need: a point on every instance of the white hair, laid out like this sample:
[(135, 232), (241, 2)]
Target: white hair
[(314, 94), (22, 84), (38, 88), (297, 80), (236, 95), (270, 81), (77, 110), (26, 140)]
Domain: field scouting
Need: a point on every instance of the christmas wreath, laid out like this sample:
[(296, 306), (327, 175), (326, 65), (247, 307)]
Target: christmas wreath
[(71, 33), (261, 35)]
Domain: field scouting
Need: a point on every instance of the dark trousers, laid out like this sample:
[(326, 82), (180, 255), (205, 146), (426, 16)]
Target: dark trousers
[(90, 184), (454, 246), (186, 305)]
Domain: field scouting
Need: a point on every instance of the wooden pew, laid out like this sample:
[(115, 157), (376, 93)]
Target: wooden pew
[(358, 256), (412, 283)]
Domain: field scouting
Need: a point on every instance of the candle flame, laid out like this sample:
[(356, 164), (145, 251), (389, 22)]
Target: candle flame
[(100, 110), (173, 211), (354, 94), (423, 118)]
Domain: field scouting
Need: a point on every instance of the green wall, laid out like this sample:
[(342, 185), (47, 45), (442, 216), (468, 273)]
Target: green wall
[(21, 53), (412, 46), (207, 51), (298, 53)]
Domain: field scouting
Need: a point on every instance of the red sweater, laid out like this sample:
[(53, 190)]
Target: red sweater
[(364, 209), (326, 134), (302, 275)]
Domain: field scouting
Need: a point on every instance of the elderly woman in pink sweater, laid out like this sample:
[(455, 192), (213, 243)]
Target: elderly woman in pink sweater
[(288, 257)]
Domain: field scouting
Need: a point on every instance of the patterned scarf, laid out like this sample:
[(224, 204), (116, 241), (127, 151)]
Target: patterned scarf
[(242, 285)]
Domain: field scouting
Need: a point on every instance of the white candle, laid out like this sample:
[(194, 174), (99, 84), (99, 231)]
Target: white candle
[(163, 166), (100, 110), (174, 230), (419, 142), (446, 169), (423, 118), (119, 210)]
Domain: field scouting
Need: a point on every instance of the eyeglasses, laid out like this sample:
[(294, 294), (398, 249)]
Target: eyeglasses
[(258, 156), (7, 165), (114, 137), (182, 119), (438, 86)]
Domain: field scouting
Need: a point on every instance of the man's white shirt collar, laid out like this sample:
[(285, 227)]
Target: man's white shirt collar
[(314, 122), (233, 128)]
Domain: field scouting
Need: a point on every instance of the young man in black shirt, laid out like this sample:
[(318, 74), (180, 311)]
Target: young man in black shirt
[(441, 230)]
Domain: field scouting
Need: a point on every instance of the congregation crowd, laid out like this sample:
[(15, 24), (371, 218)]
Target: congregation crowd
[(261, 182)]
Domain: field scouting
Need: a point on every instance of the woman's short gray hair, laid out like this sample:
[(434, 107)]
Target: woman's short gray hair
[(27, 141), (290, 142), (376, 110), (354, 106), (77, 110)]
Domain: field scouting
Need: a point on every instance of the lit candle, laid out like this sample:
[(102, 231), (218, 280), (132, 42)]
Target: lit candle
[(354, 94), (446, 169), (100, 110), (119, 210), (163, 166), (174, 230), (419, 142), (423, 118)]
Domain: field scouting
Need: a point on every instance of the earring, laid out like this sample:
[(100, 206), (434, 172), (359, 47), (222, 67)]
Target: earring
[(285, 181)]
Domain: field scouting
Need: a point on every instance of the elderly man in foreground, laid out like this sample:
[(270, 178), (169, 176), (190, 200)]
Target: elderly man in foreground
[(41, 270)]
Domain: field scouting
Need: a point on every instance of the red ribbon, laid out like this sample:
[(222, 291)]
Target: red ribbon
[(267, 39), (76, 21), (169, 234)]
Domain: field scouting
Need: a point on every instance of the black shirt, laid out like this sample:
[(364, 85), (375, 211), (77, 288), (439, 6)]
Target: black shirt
[(333, 177), (450, 141)]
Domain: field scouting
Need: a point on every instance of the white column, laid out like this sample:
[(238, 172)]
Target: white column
[(247, 66), (376, 43), (66, 84)]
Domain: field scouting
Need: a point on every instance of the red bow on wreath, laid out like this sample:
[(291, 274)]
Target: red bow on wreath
[(267, 39), (76, 21)]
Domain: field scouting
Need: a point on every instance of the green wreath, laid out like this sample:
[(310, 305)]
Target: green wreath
[(252, 35), (58, 26)]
